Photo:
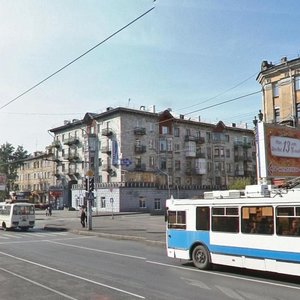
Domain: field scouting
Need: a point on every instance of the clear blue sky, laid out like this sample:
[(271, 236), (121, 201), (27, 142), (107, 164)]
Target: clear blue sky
[(184, 55)]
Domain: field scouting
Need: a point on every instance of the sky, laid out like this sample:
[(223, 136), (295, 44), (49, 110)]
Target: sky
[(187, 55)]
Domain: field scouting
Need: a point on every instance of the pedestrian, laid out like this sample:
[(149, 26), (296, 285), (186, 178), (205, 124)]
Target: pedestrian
[(82, 217), (50, 210), (47, 211)]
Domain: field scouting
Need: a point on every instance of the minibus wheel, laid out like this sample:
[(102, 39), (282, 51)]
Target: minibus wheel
[(201, 257)]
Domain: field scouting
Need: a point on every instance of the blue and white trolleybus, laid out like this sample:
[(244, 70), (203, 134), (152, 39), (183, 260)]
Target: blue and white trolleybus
[(254, 230)]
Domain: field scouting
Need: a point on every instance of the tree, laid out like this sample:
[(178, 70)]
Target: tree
[(10, 161), (239, 184)]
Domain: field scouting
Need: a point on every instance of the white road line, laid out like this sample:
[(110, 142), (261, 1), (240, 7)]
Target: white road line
[(97, 250), (73, 275), (230, 293), (226, 275), (197, 283), (39, 284), (4, 237)]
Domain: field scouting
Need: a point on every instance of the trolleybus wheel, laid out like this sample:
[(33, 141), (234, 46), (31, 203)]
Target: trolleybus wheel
[(201, 257)]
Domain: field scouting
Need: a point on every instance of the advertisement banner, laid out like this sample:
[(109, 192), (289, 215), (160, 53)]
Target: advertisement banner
[(282, 151)]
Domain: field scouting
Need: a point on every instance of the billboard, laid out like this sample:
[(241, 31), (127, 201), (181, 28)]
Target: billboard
[(278, 151)]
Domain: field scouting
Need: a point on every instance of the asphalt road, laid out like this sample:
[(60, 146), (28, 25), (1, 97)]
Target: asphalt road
[(62, 265)]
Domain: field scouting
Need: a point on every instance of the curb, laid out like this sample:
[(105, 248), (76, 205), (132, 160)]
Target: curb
[(119, 237)]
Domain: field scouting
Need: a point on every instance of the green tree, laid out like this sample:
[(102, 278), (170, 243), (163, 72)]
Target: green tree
[(10, 160), (239, 184)]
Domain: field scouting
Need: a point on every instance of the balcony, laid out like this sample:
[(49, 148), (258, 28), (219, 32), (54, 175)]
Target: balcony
[(56, 144), (139, 149), (107, 167), (73, 157), (139, 131), (107, 132), (239, 173), (200, 140), (71, 141), (190, 138), (106, 149), (200, 154), (140, 167), (241, 143)]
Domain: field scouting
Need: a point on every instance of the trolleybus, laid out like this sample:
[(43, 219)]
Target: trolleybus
[(17, 215), (260, 232)]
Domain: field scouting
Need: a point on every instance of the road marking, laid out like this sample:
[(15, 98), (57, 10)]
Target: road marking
[(197, 283), (72, 275), (229, 293), (10, 236), (39, 284), (226, 275), (97, 250)]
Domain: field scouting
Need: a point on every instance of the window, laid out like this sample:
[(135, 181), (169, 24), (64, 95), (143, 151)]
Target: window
[(275, 89), (163, 164), (227, 153), (208, 137), (151, 127), (176, 132), (150, 145), (277, 114), (163, 145), (202, 218), (257, 220), (208, 152), (157, 204), (297, 83), (225, 219), (151, 162), (177, 164), (177, 219), (142, 202), (177, 147), (288, 220), (298, 112), (169, 145), (103, 202), (164, 130)]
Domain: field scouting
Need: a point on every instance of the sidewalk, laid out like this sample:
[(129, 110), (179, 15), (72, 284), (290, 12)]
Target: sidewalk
[(130, 226)]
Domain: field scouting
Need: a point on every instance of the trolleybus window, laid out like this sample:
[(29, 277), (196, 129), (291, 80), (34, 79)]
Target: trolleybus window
[(177, 219), (257, 220), (202, 218), (288, 220), (225, 219)]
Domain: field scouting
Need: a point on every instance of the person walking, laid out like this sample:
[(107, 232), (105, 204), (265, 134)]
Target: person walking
[(82, 217)]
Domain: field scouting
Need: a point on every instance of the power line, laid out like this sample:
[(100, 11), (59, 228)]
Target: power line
[(220, 94), (77, 58), (223, 102)]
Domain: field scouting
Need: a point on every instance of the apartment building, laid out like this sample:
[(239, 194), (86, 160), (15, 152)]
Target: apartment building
[(281, 91), (139, 157), (35, 177)]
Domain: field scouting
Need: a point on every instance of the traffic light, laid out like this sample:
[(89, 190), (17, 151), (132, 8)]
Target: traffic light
[(91, 184), (86, 184)]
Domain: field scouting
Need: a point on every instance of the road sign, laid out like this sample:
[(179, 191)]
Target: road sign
[(89, 173), (126, 162)]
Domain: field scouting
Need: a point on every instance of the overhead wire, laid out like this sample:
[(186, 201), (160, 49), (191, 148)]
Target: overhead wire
[(76, 59)]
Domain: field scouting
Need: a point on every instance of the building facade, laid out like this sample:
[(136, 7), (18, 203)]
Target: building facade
[(139, 157), (35, 177), (281, 92)]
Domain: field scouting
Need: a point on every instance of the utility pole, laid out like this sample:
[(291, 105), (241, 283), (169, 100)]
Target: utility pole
[(89, 187)]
